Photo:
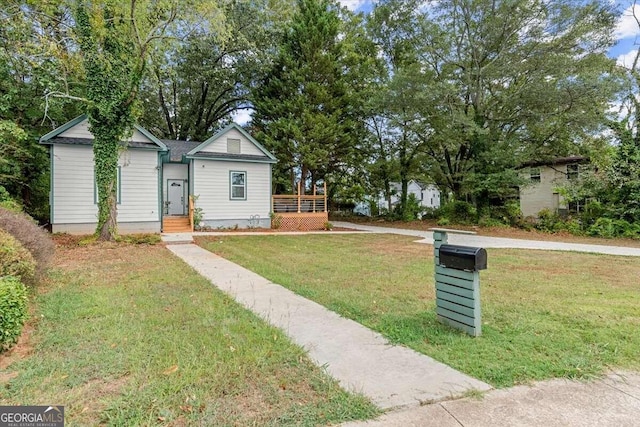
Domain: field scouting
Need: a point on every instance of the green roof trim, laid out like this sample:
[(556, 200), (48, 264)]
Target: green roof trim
[(221, 133), (46, 139), (229, 159), (57, 131), (151, 137)]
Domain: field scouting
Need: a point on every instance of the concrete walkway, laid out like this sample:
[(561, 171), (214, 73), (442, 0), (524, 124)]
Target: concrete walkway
[(498, 242), (611, 402), (360, 359)]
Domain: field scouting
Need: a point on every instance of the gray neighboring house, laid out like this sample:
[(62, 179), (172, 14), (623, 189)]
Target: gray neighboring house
[(230, 173), (544, 178)]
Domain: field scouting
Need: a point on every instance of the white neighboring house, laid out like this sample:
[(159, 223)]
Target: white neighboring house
[(229, 172), (427, 195)]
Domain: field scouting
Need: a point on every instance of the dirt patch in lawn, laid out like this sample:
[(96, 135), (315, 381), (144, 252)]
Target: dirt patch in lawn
[(21, 350), (397, 245)]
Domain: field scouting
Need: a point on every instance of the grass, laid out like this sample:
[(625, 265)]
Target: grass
[(129, 335), (545, 314)]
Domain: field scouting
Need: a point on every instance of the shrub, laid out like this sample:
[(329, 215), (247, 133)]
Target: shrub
[(141, 239), (607, 227), (7, 202), (549, 221), (412, 210), (276, 220), (459, 211), (15, 260), (443, 222), (33, 238), (13, 311)]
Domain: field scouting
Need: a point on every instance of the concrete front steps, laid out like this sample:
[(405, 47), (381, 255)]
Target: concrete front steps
[(176, 224)]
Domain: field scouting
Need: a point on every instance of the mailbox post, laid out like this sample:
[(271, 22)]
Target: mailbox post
[(457, 279)]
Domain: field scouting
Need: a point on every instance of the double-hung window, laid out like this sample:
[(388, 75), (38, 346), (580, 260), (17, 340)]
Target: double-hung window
[(535, 174), (238, 185)]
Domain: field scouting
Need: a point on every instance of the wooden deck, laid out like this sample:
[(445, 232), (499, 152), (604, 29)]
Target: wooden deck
[(299, 212)]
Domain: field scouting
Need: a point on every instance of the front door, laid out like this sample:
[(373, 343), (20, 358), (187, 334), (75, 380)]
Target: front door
[(175, 196)]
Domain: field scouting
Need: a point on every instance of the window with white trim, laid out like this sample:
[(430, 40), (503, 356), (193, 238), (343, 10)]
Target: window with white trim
[(238, 185), (573, 171)]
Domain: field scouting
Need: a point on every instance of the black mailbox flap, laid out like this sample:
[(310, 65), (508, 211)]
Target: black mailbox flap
[(463, 257)]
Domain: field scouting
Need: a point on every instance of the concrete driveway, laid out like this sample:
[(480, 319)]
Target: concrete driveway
[(497, 242)]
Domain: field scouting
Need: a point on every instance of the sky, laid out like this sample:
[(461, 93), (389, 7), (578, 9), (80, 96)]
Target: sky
[(627, 33)]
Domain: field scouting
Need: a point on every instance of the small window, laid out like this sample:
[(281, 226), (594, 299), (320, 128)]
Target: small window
[(233, 146), (572, 171), (118, 187), (535, 174), (238, 187)]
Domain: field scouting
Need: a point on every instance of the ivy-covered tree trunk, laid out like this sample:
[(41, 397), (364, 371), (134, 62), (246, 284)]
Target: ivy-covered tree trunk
[(114, 67), (106, 149)]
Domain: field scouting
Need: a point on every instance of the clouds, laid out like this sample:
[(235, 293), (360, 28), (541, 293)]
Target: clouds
[(626, 59), (627, 25), (353, 4)]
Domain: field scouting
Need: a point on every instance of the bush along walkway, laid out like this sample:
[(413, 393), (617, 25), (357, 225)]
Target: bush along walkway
[(360, 359)]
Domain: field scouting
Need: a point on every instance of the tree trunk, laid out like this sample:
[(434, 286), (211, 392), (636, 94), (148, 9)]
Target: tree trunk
[(109, 229), (404, 181), (387, 194)]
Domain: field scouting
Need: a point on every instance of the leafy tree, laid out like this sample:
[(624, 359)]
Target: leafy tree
[(115, 39), (196, 83), (305, 109), (30, 33), (402, 107), (523, 80)]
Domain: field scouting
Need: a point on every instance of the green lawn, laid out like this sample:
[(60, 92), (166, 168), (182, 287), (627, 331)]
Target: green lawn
[(545, 314), (129, 335)]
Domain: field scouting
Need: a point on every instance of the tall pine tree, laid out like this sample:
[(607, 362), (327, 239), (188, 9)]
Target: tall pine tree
[(304, 104)]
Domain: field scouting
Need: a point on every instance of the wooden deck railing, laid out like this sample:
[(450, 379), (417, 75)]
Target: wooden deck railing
[(301, 203), (191, 210), (300, 212)]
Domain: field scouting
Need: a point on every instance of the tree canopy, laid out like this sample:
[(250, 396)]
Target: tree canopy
[(457, 93)]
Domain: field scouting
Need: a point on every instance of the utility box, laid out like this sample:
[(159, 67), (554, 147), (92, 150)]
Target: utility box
[(463, 257), (457, 281)]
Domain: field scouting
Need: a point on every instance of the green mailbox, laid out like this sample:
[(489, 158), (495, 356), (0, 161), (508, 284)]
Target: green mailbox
[(457, 280)]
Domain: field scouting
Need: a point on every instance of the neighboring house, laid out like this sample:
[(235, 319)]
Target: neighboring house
[(545, 178), (427, 195), (230, 173)]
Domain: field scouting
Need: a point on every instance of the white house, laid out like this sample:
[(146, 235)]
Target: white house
[(427, 195), (230, 173)]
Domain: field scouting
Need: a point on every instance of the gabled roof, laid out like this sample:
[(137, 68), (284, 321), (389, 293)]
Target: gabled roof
[(53, 138), (198, 153), (177, 148)]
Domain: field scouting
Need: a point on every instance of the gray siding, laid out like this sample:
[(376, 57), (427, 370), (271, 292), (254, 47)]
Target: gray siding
[(542, 195), (81, 130), (73, 186), (211, 184), (220, 144)]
